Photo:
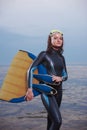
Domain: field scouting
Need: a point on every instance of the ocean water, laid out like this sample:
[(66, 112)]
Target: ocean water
[(32, 115)]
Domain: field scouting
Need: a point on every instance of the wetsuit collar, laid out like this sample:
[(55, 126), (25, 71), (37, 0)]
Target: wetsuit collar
[(55, 51)]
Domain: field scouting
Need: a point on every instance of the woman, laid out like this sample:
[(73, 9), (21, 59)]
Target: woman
[(54, 62)]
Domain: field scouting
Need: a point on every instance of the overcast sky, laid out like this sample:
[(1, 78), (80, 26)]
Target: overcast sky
[(25, 24)]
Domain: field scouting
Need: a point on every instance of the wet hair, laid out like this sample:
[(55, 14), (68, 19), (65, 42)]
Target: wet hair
[(49, 45)]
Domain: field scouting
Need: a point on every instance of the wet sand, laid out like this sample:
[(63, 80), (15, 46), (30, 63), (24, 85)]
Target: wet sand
[(32, 115), (26, 116)]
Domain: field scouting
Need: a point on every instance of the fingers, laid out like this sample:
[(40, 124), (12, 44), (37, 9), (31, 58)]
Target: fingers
[(56, 78), (29, 95)]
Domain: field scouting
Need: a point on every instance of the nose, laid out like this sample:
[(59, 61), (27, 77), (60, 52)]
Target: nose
[(58, 39)]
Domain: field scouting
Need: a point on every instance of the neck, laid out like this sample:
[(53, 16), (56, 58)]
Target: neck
[(56, 48)]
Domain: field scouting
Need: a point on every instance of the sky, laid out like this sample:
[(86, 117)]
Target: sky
[(26, 24)]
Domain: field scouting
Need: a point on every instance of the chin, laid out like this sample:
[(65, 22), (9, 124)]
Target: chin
[(58, 46)]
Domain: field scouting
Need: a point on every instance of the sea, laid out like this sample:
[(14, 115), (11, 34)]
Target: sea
[(32, 115)]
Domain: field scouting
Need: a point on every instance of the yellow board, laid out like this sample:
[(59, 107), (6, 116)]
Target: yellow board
[(15, 82)]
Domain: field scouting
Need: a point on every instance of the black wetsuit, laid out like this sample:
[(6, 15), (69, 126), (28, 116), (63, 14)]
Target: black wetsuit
[(55, 64)]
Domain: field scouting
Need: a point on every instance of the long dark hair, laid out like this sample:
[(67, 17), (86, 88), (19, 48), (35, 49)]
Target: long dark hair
[(49, 45)]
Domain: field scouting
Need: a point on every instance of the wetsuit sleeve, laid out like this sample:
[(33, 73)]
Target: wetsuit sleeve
[(33, 67), (64, 72)]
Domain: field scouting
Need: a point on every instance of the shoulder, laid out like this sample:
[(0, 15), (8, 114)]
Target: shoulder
[(62, 56), (42, 53)]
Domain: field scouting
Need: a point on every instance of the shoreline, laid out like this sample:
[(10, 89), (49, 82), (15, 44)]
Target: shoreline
[(32, 115)]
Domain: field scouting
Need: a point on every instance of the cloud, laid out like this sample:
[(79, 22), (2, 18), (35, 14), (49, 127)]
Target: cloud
[(38, 16), (29, 21)]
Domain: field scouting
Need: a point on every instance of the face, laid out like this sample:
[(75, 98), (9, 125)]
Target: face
[(57, 40)]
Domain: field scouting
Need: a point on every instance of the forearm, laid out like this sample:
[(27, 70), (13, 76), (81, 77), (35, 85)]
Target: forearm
[(33, 67), (64, 75), (30, 76)]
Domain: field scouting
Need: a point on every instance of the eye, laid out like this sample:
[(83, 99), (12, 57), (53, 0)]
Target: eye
[(61, 38), (55, 38)]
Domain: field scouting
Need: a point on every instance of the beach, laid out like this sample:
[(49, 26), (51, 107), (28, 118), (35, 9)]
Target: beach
[(32, 115)]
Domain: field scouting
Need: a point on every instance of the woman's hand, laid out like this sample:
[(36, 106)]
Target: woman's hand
[(56, 78), (29, 95)]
